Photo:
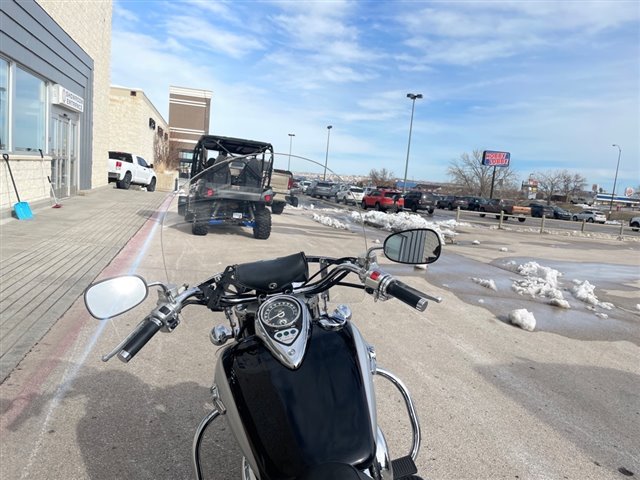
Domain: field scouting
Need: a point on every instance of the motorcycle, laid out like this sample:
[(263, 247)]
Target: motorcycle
[(295, 382)]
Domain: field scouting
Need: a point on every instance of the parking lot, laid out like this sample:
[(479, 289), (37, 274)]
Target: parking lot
[(494, 401)]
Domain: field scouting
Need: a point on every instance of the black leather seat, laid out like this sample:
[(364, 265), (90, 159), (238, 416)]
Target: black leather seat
[(333, 471)]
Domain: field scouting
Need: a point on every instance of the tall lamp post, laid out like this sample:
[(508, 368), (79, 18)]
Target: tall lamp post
[(615, 180), (326, 159), (413, 97), (291, 135)]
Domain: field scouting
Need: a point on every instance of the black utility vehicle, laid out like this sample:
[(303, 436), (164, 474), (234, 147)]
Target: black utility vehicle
[(230, 184), (417, 200)]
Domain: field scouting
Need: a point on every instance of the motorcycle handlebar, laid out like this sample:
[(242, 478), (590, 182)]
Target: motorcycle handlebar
[(145, 331), (408, 295)]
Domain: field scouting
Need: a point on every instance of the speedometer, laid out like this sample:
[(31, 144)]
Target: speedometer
[(279, 312)]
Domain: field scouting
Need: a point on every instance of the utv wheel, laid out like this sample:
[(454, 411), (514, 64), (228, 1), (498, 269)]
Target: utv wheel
[(262, 228), (152, 185), (199, 228), (277, 208), (125, 183)]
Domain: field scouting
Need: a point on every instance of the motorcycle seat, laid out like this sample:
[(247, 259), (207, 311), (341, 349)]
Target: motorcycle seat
[(333, 471)]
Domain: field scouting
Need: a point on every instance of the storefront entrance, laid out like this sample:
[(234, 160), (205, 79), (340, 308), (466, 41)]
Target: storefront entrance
[(63, 148)]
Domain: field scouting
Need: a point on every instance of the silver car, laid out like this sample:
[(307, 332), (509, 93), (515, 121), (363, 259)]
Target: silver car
[(590, 216)]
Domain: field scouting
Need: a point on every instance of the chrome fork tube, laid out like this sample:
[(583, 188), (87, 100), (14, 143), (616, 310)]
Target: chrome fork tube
[(197, 441), (413, 417)]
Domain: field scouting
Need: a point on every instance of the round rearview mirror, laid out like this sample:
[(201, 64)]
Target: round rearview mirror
[(418, 246), (114, 296)]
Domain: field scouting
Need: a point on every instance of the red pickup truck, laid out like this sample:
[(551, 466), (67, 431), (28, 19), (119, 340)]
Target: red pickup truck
[(383, 200)]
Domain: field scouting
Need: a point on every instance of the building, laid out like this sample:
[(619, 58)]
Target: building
[(54, 97), (189, 114), (136, 126)]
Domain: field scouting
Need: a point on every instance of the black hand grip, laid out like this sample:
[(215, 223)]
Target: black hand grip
[(146, 330), (408, 295)]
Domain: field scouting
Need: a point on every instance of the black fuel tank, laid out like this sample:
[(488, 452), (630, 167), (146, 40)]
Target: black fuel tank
[(298, 418)]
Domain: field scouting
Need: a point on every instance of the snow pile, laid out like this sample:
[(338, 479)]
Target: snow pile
[(638, 306), (420, 266), (476, 242), (523, 318), (405, 221), (485, 283), (584, 291), (330, 222), (539, 282), (504, 249)]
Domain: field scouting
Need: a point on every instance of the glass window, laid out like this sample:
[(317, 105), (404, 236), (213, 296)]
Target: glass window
[(4, 104), (28, 112)]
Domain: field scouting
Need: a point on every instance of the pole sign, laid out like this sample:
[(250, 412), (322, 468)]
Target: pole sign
[(495, 159)]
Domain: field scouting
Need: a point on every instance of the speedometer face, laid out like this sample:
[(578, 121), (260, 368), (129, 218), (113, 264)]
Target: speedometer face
[(280, 313)]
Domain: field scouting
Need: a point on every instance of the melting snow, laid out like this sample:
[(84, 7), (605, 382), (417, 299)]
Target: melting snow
[(485, 283), (523, 318)]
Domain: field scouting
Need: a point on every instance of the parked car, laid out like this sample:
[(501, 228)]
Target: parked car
[(304, 184), (561, 213), (417, 200), (350, 194), (474, 203), (446, 202), (538, 210), (590, 216), (384, 200), (320, 188), (634, 223)]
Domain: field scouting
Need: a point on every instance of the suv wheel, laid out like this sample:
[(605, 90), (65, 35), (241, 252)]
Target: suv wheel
[(575, 218), (590, 219), (262, 228), (414, 208)]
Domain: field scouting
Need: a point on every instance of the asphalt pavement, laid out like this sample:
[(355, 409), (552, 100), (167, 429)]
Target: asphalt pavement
[(48, 261)]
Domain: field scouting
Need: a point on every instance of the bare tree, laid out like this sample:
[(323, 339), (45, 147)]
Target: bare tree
[(166, 154), (475, 178), (550, 182), (572, 184), (382, 178)]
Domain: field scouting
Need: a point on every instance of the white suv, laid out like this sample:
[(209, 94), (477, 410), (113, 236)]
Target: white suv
[(590, 216), (350, 194)]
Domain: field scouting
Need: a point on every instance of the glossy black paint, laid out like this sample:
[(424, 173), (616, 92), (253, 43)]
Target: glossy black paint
[(295, 419)]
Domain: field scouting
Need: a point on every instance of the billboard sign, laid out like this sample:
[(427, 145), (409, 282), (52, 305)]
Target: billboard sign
[(495, 159)]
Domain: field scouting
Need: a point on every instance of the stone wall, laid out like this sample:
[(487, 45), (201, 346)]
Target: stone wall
[(129, 123), (89, 24), (30, 174)]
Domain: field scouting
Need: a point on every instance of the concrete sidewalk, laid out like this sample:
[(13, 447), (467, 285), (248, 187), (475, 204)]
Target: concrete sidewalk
[(47, 262)]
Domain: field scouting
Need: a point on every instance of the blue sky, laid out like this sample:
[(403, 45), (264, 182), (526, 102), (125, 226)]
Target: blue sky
[(554, 83)]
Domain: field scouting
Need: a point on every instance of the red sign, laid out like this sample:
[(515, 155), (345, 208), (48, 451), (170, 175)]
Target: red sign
[(495, 159)]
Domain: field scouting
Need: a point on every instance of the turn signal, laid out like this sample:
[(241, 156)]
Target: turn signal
[(210, 192)]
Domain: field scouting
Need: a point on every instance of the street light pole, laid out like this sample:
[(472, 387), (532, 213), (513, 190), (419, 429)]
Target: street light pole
[(615, 180), (326, 159), (413, 97), (291, 135)]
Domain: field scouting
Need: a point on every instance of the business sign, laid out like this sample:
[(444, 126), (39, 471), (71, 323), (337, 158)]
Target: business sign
[(62, 96), (495, 159)]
